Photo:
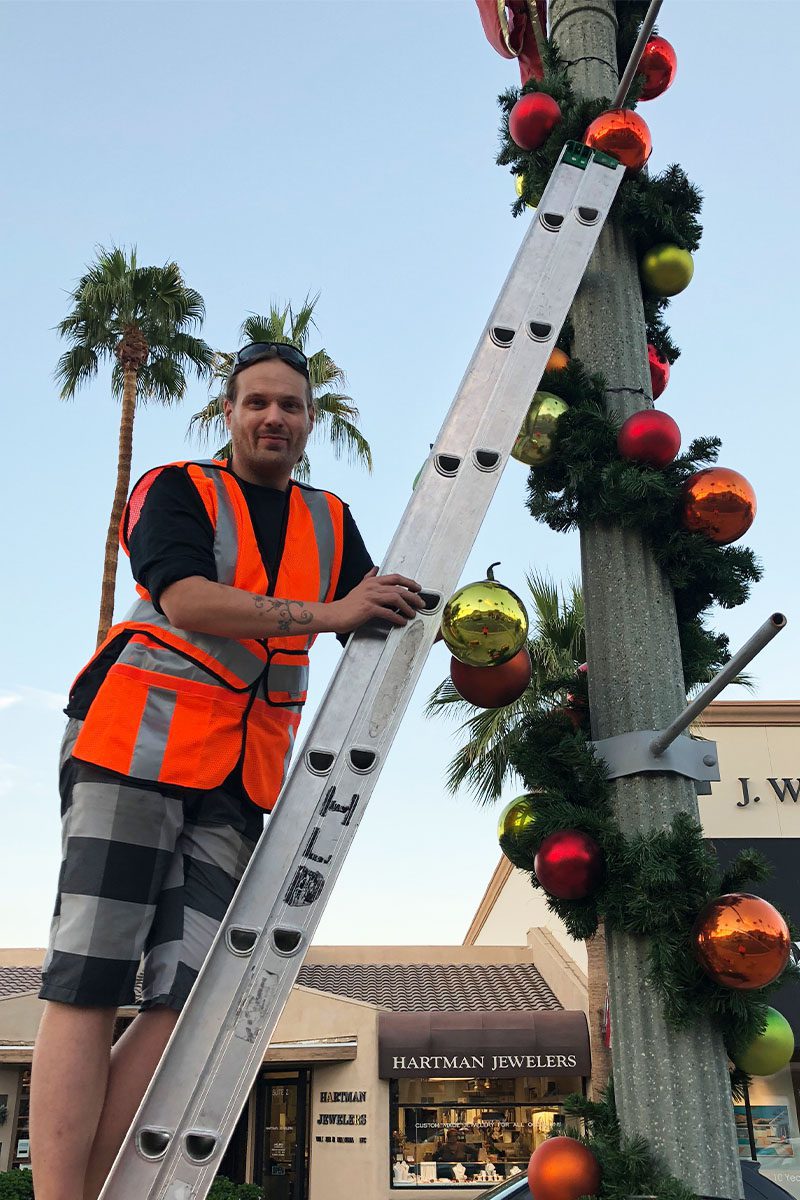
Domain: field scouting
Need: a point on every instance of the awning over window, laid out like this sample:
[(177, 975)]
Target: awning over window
[(486, 1044)]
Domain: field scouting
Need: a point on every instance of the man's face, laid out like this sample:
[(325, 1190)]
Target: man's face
[(269, 422)]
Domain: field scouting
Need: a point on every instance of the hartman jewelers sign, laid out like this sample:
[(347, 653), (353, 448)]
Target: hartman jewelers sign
[(484, 1064), (490, 1045)]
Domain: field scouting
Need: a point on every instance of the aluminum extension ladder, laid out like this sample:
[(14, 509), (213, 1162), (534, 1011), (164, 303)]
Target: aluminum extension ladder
[(183, 1125)]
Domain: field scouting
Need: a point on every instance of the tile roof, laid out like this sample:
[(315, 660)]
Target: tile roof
[(16, 981), (407, 987), (422, 987)]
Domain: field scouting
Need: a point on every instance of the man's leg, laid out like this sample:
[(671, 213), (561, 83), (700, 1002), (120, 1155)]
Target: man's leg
[(134, 1059), (68, 1085), (118, 846)]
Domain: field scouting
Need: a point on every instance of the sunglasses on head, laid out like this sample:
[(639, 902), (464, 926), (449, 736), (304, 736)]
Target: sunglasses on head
[(257, 351)]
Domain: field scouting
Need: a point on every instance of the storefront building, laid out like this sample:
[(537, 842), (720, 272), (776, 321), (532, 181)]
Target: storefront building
[(756, 803), (391, 1068)]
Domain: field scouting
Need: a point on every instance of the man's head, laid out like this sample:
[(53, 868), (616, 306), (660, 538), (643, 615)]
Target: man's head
[(269, 412)]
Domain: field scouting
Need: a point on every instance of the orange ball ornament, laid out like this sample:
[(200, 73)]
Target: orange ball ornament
[(741, 941), (622, 134), (563, 1169), (557, 360), (719, 503)]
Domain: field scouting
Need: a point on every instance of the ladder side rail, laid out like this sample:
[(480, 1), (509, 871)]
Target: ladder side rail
[(408, 648)]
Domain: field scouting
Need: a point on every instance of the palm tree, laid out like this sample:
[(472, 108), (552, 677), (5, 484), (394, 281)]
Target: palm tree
[(557, 647), (140, 316), (336, 415)]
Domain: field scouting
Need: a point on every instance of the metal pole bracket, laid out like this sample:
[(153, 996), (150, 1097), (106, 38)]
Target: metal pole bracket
[(631, 754)]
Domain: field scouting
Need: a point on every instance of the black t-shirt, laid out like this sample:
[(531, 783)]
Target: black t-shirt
[(174, 539)]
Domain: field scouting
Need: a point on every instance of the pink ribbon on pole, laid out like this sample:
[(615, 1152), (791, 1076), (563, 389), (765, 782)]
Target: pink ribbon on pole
[(517, 29)]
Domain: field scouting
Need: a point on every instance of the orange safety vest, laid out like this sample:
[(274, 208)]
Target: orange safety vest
[(186, 708)]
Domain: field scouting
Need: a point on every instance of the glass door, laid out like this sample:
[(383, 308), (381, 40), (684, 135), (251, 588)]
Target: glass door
[(281, 1165)]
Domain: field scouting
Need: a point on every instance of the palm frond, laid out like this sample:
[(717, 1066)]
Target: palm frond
[(75, 367)]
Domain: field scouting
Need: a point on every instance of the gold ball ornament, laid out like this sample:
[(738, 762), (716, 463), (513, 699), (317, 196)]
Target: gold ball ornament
[(534, 444), (771, 1050), (667, 270), (484, 624), (741, 941)]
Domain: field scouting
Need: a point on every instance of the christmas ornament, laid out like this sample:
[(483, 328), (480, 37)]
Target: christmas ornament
[(534, 444), (659, 370), (658, 64), (771, 1050), (515, 818), (741, 941), (623, 134), (650, 437), (492, 687), (484, 624), (666, 269), (532, 119), (569, 864), (718, 502), (519, 184), (563, 1169), (557, 360)]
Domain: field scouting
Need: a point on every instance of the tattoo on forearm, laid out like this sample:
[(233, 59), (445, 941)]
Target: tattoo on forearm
[(291, 613)]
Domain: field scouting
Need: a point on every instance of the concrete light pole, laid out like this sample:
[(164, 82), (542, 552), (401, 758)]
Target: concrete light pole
[(672, 1088)]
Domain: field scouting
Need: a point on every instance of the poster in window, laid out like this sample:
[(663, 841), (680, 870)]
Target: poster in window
[(771, 1129)]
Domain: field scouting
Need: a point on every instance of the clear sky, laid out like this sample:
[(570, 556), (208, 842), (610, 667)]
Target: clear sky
[(348, 148)]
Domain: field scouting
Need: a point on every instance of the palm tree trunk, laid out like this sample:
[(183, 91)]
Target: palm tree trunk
[(120, 496), (597, 976)]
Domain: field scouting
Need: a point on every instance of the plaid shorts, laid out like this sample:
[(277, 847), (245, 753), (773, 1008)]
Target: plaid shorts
[(147, 873)]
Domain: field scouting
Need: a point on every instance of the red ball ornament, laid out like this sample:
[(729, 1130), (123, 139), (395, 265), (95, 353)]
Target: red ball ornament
[(622, 134), (650, 437), (720, 503), (569, 864), (741, 941), (658, 64), (659, 370), (563, 1169), (492, 687), (532, 119)]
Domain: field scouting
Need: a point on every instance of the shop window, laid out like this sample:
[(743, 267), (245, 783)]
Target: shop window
[(21, 1145), (471, 1132)]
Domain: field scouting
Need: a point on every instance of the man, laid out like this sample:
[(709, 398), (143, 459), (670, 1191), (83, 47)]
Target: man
[(181, 728)]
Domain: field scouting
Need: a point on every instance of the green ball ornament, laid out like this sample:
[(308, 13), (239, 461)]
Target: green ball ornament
[(519, 185), (534, 444), (771, 1050), (514, 820), (484, 624), (667, 270)]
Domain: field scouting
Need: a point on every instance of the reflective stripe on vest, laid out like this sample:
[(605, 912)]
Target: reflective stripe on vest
[(182, 707)]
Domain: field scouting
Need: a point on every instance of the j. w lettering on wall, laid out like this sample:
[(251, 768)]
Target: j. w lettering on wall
[(784, 789)]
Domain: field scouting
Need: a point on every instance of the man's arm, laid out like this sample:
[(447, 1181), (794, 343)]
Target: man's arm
[(202, 606)]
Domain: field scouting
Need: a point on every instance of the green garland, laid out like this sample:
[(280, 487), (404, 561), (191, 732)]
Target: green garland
[(654, 883), (662, 208), (587, 483)]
